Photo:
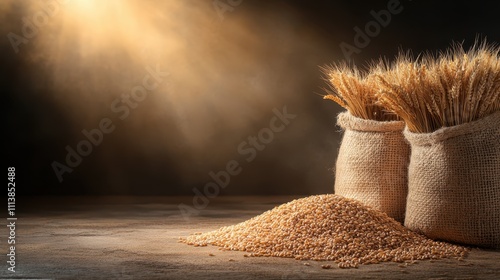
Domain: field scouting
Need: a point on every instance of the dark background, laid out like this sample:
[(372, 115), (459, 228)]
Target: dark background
[(226, 78)]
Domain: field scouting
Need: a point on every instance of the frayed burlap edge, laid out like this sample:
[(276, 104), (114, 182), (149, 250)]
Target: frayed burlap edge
[(347, 121), (442, 134)]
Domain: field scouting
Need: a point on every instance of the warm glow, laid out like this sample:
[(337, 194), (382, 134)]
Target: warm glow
[(225, 76), (98, 50)]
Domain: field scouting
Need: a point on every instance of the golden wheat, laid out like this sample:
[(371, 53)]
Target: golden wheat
[(356, 91), (453, 88), (327, 228)]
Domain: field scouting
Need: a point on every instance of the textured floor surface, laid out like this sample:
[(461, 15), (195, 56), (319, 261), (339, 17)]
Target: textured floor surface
[(136, 238)]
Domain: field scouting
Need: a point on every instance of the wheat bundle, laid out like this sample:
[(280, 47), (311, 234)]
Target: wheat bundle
[(455, 88), (373, 157), (356, 91), (451, 106)]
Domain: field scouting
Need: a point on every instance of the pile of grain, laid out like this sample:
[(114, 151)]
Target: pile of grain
[(327, 227)]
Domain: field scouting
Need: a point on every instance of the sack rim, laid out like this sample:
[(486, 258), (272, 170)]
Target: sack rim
[(444, 133), (349, 122)]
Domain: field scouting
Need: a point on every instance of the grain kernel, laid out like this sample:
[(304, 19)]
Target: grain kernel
[(326, 266)]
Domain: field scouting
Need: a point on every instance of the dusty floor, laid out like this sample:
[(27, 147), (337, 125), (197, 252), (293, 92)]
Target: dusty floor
[(137, 238)]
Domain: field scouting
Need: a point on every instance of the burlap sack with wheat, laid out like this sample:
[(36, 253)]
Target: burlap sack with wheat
[(372, 164), (454, 183)]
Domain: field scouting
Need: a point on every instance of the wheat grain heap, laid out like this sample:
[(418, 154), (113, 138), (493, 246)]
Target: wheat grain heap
[(327, 228)]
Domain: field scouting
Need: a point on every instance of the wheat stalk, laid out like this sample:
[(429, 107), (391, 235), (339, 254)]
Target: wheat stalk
[(357, 91), (452, 88)]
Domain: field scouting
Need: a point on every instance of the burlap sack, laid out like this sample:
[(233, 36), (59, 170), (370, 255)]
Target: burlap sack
[(454, 183), (372, 164)]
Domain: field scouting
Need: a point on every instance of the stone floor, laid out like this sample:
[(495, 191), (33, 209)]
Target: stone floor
[(137, 238)]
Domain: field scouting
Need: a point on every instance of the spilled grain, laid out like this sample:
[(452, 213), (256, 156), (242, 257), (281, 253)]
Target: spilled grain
[(327, 228)]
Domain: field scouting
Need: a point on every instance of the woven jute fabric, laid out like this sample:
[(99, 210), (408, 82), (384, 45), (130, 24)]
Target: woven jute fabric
[(454, 183), (372, 164)]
